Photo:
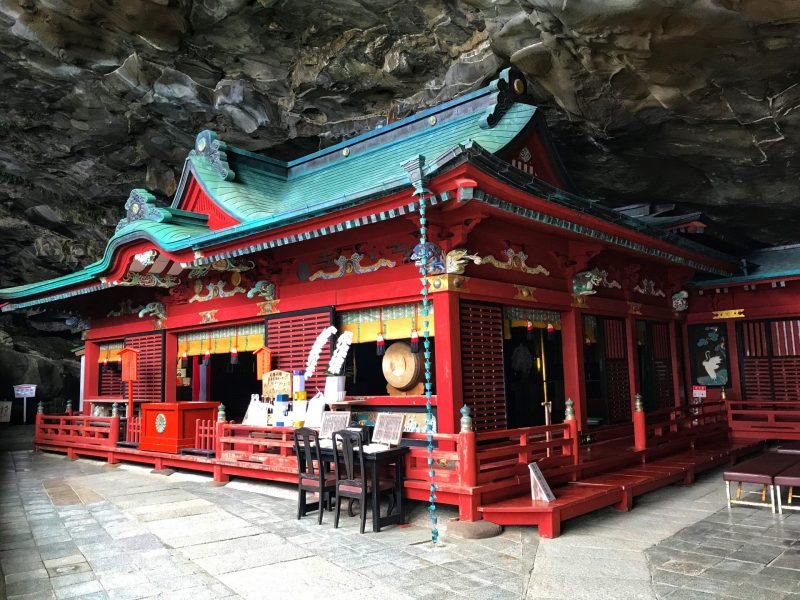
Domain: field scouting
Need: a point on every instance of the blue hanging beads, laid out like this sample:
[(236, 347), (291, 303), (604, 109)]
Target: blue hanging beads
[(426, 344)]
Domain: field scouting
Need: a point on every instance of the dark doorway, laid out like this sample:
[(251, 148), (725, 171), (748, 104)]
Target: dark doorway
[(605, 363), (534, 370), (233, 384), (655, 365)]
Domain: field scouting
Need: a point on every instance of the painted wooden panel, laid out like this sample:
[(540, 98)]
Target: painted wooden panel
[(290, 337), (482, 367), (149, 384)]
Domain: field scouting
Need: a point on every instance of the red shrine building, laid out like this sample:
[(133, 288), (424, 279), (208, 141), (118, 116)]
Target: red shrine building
[(622, 349)]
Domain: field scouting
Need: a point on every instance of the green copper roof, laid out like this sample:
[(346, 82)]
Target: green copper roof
[(264, 192)]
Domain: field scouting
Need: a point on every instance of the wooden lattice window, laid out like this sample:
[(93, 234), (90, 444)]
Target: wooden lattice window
[(770, 359), (482, 364), (110, 381), (149, 386), (290, 337), (618, 394), (662, 364)]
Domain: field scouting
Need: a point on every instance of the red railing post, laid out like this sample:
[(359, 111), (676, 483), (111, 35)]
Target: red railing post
[(468, 458), (639, 425), (572, 430), (113, 434)]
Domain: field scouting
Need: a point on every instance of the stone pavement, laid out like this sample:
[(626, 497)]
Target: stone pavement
[(82, 529)]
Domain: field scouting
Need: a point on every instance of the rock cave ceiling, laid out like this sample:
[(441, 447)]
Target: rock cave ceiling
[(690, 101)]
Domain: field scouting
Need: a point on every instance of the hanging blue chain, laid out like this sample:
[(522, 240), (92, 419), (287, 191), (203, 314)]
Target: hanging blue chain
[(426, 344)]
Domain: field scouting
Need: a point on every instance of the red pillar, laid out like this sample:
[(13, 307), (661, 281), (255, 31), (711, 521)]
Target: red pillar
[(677, 368), (170, 366), (735, 392), (447, 356), (572, 350), (633, 359), (91, 372)]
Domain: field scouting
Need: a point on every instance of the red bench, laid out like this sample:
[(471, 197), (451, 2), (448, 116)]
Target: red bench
[(760, 470)]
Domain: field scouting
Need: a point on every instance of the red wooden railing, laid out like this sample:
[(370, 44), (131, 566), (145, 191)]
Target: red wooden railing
[(134, 430), (750, 419), (205, 434), (272, 447), (77, 430), (690, 425)]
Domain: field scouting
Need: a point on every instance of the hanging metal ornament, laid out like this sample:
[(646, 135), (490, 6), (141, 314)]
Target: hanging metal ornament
[(207, 355), (380, 348), (235, 349), (529, 334), (551, 331), (414, 334)]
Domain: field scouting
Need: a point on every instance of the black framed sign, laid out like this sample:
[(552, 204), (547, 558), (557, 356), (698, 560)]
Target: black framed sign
[(708, 352)]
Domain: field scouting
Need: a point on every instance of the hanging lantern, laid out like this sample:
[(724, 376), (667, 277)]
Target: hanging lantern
[(414, 341), (105, 364), (551, 331), (380, 348), (184, 360), (529, 334), (414, 334), (235, 350), (381, 345)]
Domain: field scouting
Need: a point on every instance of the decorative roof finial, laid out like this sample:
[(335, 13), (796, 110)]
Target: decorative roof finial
[(509, 87), (213, 149)]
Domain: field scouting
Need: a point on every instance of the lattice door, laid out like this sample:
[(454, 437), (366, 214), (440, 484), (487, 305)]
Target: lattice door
[(110, 381), (771, 359), (616, 362), (482, 364), (150, 367), (290, 337), (662, 365)]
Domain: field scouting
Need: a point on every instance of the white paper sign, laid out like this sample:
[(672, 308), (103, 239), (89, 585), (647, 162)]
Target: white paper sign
[(540, 490), (26, 390), (5, 411), (388, 428), (257, 414), (333, 421)]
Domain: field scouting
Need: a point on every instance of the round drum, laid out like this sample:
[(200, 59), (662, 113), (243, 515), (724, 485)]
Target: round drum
[(401, 367)]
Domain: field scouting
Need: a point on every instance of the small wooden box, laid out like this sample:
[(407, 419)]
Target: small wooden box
[(170, 426)]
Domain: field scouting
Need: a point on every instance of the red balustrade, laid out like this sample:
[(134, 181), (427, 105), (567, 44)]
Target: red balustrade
[(76, 430)]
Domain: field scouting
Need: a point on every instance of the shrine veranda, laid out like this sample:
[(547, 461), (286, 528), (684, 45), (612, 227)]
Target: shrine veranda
[(538, 296)]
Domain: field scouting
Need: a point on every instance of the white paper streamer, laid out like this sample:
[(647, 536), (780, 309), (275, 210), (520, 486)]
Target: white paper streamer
[(316, 350), (340, 353)]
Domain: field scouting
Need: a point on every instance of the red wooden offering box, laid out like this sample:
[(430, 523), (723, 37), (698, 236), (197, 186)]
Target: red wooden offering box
[(170, 426)]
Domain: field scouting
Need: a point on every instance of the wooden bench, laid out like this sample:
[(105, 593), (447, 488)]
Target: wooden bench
[(788, 478), (790, 448), (760, 470)]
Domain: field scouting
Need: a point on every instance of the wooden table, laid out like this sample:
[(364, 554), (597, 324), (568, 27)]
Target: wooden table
[(374, 461)]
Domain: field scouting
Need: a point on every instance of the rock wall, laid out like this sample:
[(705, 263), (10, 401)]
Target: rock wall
[(650, 100)]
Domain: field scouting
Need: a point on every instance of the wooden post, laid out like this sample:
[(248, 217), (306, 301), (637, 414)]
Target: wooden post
[(170, 366), (677, 368), (639, 424), (113, 435), (572, 350), (733, 361), (91, 372), (633, 358), (448, 385), (572, 431)]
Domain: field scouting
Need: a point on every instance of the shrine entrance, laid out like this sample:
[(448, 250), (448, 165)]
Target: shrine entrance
[(608, 399), (534, 373)]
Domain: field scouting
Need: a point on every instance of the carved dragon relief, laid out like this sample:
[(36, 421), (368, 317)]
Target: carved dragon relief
[(585, 282), (157, 310), (346, 265), (515, 261), (152, 280)]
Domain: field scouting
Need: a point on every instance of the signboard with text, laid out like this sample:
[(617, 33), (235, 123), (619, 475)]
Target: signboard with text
[(25, 390)]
